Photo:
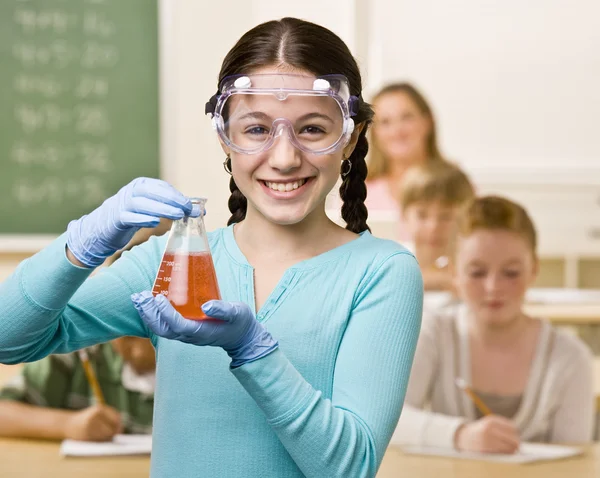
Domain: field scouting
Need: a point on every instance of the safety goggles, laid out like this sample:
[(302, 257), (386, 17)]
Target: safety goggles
[(250, 112)]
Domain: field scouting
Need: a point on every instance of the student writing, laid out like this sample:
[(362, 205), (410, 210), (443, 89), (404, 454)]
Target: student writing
[(537, 380)]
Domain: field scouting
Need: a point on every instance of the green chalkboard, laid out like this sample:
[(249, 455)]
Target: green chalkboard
[(78, 107)]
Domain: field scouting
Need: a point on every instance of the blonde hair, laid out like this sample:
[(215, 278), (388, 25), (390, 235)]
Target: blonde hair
[(435, 181), (497, 213), (378, 163)]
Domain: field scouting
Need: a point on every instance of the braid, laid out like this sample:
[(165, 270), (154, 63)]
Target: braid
[(353, 190), (237, 201)]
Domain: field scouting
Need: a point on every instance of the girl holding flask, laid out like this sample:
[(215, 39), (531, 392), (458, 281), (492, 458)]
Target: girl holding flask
[(304, 370)]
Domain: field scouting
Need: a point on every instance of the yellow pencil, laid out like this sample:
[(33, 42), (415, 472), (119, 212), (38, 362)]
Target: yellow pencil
[(91, 376), (482, 407)]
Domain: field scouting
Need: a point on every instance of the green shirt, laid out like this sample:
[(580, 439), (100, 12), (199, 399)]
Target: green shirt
[(59, 381)]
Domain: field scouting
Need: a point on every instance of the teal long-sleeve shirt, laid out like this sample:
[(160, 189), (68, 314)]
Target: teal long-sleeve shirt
[(324, 404)]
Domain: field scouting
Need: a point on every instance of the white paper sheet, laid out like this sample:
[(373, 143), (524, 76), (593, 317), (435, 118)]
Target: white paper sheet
[(120, 445), (529, 452)]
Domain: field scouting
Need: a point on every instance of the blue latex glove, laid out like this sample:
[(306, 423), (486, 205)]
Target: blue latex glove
[(236, 331), (141, 203)]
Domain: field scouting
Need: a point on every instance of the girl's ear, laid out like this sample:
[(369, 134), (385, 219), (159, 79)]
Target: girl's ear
[(349, 149), (224, 147)]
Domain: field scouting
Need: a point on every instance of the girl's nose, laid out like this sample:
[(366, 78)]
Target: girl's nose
[(283, 155)]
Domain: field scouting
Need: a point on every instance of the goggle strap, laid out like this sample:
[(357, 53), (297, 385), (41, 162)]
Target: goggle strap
[(354, 105), (211, 105)]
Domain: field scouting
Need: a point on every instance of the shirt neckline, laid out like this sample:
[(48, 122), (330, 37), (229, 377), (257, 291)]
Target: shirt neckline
[(535, 377), (235, 252)]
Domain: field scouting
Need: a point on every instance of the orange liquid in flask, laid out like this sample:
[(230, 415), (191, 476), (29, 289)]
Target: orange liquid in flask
[(188, 281)]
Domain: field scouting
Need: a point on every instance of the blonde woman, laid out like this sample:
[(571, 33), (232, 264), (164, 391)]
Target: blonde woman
[(403, 135), (537, 380)]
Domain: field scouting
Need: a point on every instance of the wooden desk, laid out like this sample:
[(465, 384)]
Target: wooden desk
[(35, 459), (396, 464), (566, 314), (38, 459)]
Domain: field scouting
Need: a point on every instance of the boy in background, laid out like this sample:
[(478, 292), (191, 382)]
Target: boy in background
[(52, 399), (430, 199)]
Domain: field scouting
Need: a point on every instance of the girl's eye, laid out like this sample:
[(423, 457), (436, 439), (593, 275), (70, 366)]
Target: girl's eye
[(257, 130), (312, 129), (512, 274), (476, 274)]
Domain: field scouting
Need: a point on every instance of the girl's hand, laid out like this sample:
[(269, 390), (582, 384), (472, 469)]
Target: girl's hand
[(490, 434), (108, 228), (236, 330)]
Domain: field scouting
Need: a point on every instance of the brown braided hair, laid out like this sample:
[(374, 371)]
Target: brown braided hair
[(306, 46), (238, 204)]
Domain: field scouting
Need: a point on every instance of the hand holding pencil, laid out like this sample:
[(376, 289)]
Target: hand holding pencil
[(98, 422), (490, 434)]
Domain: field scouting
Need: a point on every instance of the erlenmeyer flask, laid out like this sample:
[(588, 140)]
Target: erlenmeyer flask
[(186, 275)]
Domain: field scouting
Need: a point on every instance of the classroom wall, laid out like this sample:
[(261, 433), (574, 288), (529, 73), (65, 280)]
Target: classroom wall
[(514, 84), (506, 79)]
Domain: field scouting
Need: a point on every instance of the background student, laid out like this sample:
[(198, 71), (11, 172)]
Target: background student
[(52, 398), (537, 380), (403, 135), (430, 198)]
